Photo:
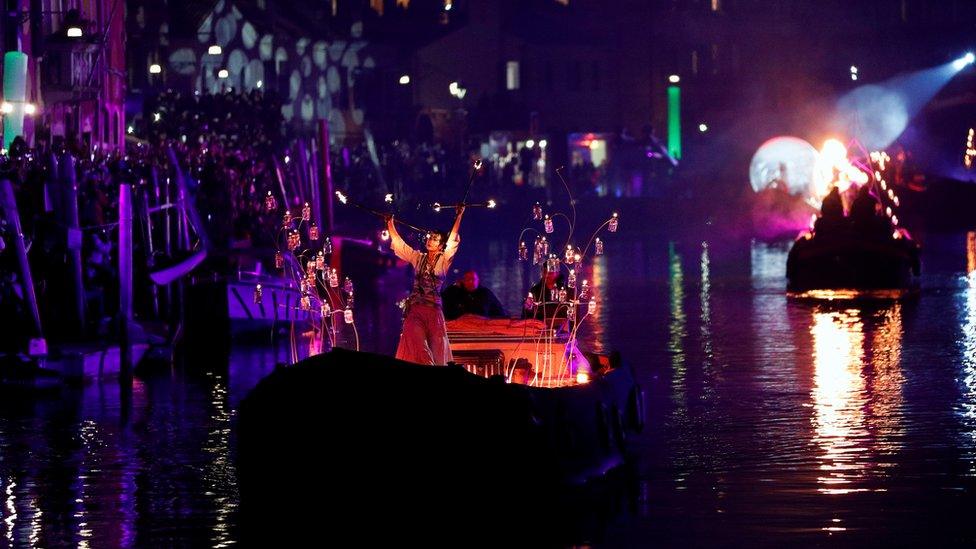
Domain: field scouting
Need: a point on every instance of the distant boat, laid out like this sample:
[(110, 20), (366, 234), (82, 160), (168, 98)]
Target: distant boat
[(390, 439), (847, 259)]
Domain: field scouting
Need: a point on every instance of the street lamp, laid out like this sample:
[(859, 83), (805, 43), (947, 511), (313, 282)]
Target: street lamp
[(674, 79)]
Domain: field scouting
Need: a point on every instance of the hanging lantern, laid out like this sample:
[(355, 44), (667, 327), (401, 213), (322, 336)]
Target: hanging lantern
[(270, 204), (333, 278), (326, 310), (286, 219), (571, 281), (599, 246), (347, 315), (553, 264), (279, 260), (320, 261), (310, 268), (545, 246), (569, 256), (547, 223), (306, 212), (327, 246), (571, 311), (258, 295), (613, 223), (537, 211), (347, 285), (313, 232), (584, 288), (591, 306), (523, 251), (305, 303), (529, 301), (563, 294)]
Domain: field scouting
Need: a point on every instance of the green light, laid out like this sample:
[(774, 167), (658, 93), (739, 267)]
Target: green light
[(674, 121), (14, 91)]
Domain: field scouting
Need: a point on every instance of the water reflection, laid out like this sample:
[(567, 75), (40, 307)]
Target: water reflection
[(967, 403), (838, 398), (857, 396), (677, 329)]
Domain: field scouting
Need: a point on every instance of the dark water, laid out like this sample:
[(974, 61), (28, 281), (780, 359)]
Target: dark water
[(771, 421)]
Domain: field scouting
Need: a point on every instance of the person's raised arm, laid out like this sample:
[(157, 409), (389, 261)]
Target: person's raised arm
[(397, 244), (457, 224)]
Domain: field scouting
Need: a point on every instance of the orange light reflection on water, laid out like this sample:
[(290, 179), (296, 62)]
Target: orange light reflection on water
[(838, 340), (857, 395)]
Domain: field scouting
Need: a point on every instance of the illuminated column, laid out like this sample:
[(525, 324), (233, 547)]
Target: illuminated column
[(15, 93), (674, 120)]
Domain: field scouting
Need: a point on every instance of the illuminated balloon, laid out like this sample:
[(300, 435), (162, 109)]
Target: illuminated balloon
[(787, 162)]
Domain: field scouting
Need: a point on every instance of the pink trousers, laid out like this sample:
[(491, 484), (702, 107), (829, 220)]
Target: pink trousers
[(424, 336)]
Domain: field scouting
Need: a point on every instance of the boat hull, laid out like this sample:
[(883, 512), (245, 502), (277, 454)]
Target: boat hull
[(852, 263), (391, 440)]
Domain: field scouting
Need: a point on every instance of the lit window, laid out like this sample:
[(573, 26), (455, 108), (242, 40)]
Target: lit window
[(716, 5), (512, 75)]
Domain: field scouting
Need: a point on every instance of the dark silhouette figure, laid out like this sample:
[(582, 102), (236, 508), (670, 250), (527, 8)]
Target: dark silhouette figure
[(466, 296)]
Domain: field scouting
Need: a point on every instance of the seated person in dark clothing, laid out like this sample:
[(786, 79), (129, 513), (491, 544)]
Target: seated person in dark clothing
[(466, 296), (865, 218), (831, 212), (546, 298)]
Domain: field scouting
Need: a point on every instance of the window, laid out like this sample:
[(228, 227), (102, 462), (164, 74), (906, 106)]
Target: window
[(512, 75)]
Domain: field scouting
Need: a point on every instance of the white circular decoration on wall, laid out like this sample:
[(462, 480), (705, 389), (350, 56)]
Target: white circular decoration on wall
[(183, 61), (320, 53), (236, 61), (253, 71), (249, 35), (294, 84), (332, 77), (308, 108), (266, 47), (226, 30)]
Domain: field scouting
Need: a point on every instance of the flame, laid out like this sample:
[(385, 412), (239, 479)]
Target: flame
[(834, 169)]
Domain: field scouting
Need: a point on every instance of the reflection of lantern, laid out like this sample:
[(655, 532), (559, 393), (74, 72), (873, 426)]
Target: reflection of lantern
[(613, 223), (599, 247), (547, 223), (279, 260), (347, 315), (313, 232), (523, 251), (258, 295), (537, 212), (270, 204), (591, 306), (306, 212), (529, 301)]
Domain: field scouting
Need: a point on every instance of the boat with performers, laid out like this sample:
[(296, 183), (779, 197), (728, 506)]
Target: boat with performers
[(521, 412), (856, 246)]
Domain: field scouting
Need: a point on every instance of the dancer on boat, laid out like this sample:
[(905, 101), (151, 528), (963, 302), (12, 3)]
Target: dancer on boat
[(424, 336)]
